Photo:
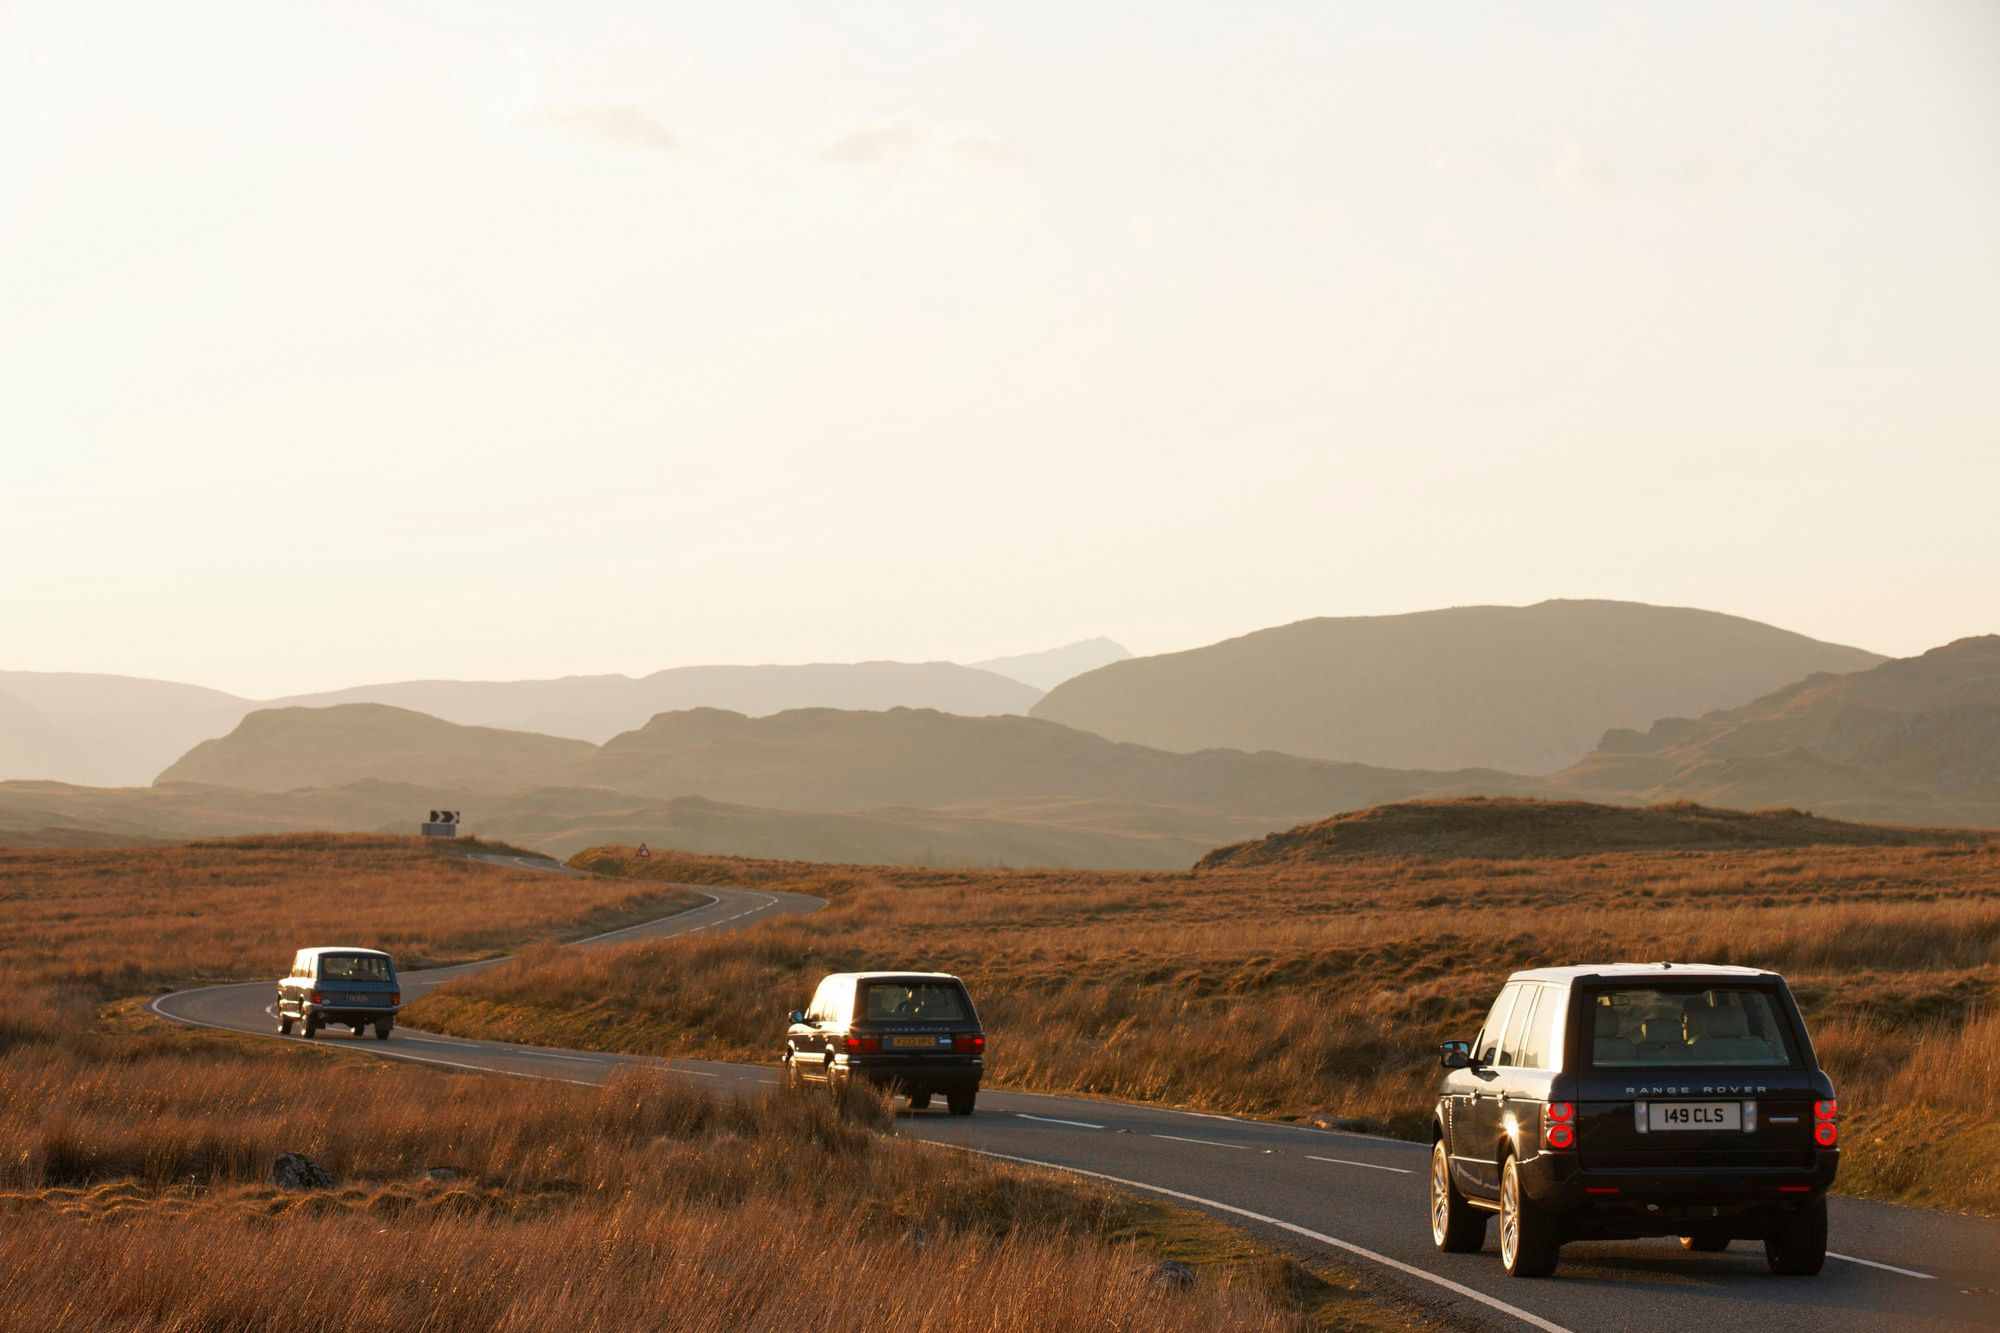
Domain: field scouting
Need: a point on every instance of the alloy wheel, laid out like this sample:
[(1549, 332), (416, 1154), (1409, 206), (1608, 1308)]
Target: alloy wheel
[(1440, 1194), (1510, 1214)]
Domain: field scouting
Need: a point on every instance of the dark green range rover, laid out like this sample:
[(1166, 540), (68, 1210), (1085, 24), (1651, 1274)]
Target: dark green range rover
[(1630, 1100)]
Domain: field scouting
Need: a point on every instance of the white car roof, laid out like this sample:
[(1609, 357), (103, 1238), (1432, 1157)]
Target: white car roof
[(891, 976), (340, 948), (1639, 971)]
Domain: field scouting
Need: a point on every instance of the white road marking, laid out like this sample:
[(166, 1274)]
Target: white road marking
[(1887, 1268), (1526, 1317), (1051, 1120), (1210, 1143), (1345, 1161)]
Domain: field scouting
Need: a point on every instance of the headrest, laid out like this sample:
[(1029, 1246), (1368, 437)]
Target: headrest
[(1607, 1021), (1725, 1023)]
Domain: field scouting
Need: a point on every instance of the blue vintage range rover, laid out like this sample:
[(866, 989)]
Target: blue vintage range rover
[(355, 988)]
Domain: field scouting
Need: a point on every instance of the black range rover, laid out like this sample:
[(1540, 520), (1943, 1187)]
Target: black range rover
[(1627, 1100), (915, 1032)]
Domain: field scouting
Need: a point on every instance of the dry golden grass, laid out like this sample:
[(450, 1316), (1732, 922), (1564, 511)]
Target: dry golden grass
[(131, 1176), (1322, 991)]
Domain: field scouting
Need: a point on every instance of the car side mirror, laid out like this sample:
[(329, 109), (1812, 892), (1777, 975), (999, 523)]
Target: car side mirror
[(1456, 1055), (798, 1016)]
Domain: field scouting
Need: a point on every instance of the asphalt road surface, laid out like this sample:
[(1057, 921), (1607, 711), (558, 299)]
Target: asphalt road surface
[(1319, 1192)]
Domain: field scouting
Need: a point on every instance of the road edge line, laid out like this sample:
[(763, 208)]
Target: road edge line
[(1349, 1247)]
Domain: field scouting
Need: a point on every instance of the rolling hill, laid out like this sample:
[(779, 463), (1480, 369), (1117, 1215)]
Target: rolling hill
[(1483, 827), (282, 749), (1522, 689), (1913, 740)]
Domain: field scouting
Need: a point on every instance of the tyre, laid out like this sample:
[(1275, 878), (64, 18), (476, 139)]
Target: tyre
[(359, 1028), (788, 1074), (1798, 1248), (961, 1103), (284, 1026), (920, 1101), (1528, 1242), (1705, 1242), (382, 1031), (311, 1028), (1456, 1226)]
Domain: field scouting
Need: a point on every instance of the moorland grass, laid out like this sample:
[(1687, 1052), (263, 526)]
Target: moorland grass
[(132, 1190), (1321, 992)]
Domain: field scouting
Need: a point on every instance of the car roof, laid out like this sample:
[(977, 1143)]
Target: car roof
[(891, 976), (1650, 971), (317, 950)]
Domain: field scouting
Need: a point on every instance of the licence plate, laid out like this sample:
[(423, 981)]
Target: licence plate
[(916, 1043), (368, 1000), (1661, 1116)]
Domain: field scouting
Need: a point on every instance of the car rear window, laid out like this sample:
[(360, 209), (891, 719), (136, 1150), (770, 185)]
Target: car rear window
[(352, 967), (1645, 1027), (914, 1002)]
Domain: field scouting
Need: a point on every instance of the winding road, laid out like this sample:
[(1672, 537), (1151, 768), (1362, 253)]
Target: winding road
[(1322, 1193)]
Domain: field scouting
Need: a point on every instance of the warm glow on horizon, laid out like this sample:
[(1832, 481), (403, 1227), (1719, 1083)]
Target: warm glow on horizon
[(501, 340)]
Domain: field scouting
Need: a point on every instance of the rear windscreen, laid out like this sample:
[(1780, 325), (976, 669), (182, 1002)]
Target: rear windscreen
[(918, 1001), (1633, 1027), (352, 967)]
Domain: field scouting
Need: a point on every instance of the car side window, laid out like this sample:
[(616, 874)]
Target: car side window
[(1487, 1045), (816, 1011), (1544, 1039), (843, 1004), (1513, 1047)]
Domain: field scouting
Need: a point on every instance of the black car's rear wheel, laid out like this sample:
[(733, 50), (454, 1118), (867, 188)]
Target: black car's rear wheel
[(961, 1103), (1798, 1248), (1706, 1242), (1529, 1245), (920, 1101), (1456, 1226), (382, 1031)]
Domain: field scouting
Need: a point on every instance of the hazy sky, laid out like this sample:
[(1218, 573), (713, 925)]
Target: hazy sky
[(347, 342)]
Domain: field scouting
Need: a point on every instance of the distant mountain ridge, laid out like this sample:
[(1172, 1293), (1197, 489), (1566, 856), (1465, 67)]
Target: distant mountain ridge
[(1522, 689), (104, 730), (1913, 740), (1046, 670), (596, 708), (100, 730)]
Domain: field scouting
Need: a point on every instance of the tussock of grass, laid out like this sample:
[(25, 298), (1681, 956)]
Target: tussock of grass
[(1321, 992)]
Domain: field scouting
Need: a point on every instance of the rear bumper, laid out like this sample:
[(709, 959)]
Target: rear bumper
[(1621, 1202), (911, 1076), (327, 1013)]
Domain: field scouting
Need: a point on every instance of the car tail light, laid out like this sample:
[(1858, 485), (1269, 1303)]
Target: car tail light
[(1826, 1128), (863, 1045), (1559, 1125), (395, 997), (316, 998), (1600, 1189), (969, 1044)]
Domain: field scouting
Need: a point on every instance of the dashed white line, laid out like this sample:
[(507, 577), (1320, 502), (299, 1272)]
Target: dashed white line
[(1526, 1317), (1051, 1120), (1887, 1268), (1210, 1143), (1348, 1161)]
